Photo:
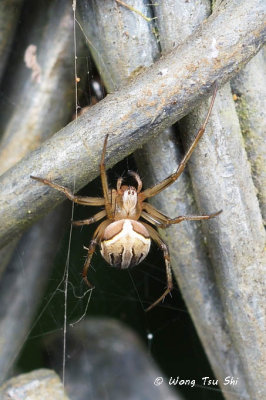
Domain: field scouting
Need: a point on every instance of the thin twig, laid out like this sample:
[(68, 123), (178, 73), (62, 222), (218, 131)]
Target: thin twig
[(131, 8)]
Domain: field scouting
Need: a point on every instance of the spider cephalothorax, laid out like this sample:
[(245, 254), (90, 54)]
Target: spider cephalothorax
[(123, 239)]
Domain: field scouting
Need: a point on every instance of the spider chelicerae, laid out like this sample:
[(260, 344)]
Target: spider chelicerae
[(124, 240)]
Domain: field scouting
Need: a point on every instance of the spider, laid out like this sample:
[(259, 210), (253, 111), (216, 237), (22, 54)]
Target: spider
[(124, 240)]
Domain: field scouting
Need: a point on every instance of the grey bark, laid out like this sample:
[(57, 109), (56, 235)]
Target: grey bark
[(6, 254), (9, 14), (237, 249), (41, 384), (116, 59), (118, 34), (23, 284), (250, 88), (220, 173), (221, 153), (40, 82), (236, 239), (156, 99), (108, 360)]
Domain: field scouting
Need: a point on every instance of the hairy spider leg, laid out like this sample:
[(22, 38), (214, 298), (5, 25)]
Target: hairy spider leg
[(173, 177), (119, 184), (149, 218), (84, 200), (162, 221), (181, 218), (90, 220), (106, 191), (155, 236), (92, 247)]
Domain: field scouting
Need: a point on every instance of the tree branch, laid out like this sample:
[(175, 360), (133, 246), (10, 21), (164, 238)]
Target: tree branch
[(9, 15), (155, 100), (250, 88)]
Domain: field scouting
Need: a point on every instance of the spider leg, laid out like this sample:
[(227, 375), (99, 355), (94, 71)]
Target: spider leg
[(106, 192), (154, 213), (91, 249), (90, 220), (150, 218), (162, 221), (187, 218), (155, 236), (173, 177), (113, 200), (84, 200), (119, 184)]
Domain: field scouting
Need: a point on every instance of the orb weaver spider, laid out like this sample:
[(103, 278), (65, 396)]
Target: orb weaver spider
[(124, 240)]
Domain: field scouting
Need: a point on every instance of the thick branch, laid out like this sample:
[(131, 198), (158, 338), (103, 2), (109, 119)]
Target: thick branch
[(155, 100), (250, 87), (9, 14), (36, 252)]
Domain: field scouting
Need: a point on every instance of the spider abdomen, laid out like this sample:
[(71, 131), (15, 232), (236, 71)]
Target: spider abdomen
[(125, 243)]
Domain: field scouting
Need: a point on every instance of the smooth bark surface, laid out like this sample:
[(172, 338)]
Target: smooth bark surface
[(154, 100), (249, 87), (221, 179), (119, 33), (23, 284), (9, 14)]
